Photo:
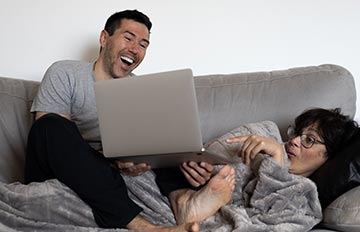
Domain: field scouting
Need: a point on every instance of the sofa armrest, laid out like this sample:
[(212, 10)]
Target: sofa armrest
[(15, 121)]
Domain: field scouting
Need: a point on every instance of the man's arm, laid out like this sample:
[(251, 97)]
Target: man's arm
[(55, 92)]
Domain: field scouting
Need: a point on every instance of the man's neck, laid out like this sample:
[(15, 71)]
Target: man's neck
[(99, 71)]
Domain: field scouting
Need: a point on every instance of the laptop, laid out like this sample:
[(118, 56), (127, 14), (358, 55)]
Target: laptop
[(152, 119)]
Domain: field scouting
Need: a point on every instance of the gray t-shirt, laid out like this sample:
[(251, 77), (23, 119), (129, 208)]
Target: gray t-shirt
[(68, 88)]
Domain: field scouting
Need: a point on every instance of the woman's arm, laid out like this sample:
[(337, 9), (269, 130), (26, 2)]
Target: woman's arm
[(252, 145)]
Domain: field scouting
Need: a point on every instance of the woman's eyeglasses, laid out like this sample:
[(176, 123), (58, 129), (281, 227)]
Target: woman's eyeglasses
[(306, 140)]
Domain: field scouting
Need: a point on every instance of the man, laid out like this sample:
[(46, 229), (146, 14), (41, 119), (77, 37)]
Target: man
[(64, 142)]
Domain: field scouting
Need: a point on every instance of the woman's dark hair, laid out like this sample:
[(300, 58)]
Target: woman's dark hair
[(335, 128), (114, 21)]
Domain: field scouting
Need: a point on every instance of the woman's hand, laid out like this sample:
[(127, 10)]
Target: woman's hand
[(255, 144), (197, 174), (131, 169)]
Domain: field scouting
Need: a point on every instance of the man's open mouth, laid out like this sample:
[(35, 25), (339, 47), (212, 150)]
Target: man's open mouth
[(127, 60)]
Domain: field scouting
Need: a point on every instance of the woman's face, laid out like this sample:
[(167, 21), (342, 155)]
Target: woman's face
[(304, 161)]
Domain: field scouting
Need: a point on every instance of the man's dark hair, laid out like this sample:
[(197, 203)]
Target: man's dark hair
[(114, 20), (335, 128)]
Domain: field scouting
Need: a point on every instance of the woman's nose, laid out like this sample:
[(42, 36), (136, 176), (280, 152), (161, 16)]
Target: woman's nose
[(295, 141)]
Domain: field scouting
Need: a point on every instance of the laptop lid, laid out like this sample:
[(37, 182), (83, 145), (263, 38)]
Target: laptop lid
[(149, 114)]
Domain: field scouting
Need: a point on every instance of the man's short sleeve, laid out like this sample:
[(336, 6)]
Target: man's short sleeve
[(55, 91)]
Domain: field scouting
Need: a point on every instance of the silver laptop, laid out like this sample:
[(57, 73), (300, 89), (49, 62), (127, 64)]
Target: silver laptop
[(151, 119)]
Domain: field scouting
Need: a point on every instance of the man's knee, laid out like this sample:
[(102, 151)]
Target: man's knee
[(50, 119), (53, 122), (53, 126)]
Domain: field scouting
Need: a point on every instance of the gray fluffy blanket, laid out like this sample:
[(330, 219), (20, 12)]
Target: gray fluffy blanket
[(266, 198)]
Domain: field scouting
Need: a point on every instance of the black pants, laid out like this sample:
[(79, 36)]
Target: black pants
[(56, 149)]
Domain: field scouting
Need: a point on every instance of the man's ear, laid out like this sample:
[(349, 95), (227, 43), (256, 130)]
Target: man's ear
[(104, 36)]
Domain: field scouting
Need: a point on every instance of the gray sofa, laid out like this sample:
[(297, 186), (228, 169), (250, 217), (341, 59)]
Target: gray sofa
[(225, 102)]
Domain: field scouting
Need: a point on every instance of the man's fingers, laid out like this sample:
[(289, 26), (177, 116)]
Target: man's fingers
[(198, 173), (189, 178), (122, 165), (189, 168), (129, 168), (208, 167), (140, 167)]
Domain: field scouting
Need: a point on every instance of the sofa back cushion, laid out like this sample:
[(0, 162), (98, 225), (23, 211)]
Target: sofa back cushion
[(227, 101), (15, 121)]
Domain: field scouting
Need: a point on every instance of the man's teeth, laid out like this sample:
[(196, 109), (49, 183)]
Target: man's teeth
[(127, 60)]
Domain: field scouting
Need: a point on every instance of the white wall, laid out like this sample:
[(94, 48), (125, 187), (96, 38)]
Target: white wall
[(210, 36)]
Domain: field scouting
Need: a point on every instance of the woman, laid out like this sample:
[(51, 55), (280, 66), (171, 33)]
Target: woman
[(266, 197), (317, 136)]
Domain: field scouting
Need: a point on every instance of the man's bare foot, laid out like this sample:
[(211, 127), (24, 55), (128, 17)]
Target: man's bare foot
[(139, 224), (187, 227), (191, 206)]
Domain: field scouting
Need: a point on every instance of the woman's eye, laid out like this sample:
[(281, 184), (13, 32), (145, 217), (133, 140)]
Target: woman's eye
[(309, 139)]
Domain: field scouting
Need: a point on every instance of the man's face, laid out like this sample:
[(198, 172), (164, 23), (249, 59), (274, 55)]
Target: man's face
[(125, 49)]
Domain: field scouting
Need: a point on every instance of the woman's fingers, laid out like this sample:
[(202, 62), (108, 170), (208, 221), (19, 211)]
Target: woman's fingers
[(251, 146)]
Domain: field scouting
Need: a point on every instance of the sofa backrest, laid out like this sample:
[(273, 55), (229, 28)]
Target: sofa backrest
[(224, 102), (227, 101)]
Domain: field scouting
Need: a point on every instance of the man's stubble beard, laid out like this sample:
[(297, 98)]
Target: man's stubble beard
[(109, 62)]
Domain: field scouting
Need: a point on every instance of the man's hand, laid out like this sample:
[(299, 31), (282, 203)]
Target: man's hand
[(254, 144), (131, 169), (197, 174)]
